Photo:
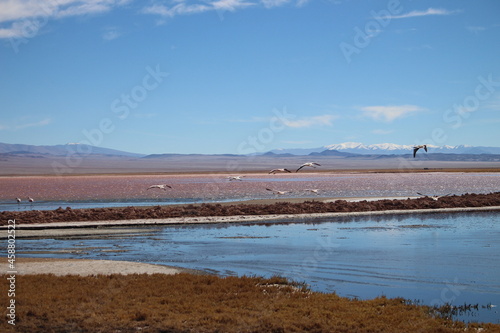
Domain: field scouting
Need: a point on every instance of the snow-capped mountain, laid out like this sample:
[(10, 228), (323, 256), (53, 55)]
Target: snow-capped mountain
[(390, 148), (358, 147)]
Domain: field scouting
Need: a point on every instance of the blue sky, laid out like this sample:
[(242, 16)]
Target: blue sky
[(240, 76)]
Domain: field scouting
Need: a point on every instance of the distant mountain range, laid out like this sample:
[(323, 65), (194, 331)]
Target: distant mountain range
[(346, 149), (387, 149), (61, 150)]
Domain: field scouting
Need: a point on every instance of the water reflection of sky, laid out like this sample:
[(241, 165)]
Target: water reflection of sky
[(435, 258)]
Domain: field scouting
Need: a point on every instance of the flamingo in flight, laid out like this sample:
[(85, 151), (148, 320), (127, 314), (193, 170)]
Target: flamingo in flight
[(235, 178), (308, 164), (278, 192), (433, 197), (273, 171), (162, 186), (416, 148)]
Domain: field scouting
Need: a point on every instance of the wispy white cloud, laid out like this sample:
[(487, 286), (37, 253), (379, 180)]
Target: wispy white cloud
[(40, 123), (185, 8), (389, 113), (428, 12), (111, 33), (322, 120), (231, 5), (274, 3), (25, 123), (301, 3), (16, 29), (178, 9), (19, 18)]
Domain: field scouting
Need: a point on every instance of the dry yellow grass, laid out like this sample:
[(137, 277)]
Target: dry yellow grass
[(201, 303)]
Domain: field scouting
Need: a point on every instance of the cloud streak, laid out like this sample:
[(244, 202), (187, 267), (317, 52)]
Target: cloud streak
[(40, 123), (419, 13), (185, 8), (20, 126), (24, 18), (322, 120), (389, 113), (111, 33), (19, 18)]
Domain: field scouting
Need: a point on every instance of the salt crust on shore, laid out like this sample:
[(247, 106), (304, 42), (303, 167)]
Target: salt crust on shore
[(85, 267)]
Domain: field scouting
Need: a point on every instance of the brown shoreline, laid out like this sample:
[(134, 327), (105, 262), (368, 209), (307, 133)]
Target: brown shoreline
[(247, 209)]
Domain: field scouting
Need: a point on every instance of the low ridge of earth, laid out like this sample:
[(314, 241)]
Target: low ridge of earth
[(216, 209)]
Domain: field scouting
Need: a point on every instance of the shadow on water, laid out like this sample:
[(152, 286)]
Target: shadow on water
[(448, 261)]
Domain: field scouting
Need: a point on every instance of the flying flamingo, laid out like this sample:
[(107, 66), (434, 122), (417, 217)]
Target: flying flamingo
[(416, 148), (308, 164), (235, 178), (433, 197), (273, 171), (163, 186), (278, 192)]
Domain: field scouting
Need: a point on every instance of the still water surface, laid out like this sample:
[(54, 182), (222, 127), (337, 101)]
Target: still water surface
[(119, 191), (433, 258)]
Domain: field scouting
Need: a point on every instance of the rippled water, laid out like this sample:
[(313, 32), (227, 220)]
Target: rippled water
[(434, 258), (106, 191)]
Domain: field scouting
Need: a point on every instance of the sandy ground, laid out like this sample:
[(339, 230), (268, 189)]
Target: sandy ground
[(84, 267)]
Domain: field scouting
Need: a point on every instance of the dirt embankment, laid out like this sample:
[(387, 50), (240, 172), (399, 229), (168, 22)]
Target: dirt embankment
[(307, 207)]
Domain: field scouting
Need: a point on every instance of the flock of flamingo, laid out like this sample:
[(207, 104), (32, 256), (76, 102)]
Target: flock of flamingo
[(307, 164), (240, 178), (274, 171)]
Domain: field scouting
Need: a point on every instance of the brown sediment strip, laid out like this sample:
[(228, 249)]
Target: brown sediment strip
[(206, 213)]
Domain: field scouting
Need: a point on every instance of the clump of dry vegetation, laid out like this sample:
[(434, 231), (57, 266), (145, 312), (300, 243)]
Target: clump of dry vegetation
[(308, 207), (202, 303)]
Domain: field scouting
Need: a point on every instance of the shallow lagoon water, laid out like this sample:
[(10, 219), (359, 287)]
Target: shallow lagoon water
[(128, 190), (434, 258)]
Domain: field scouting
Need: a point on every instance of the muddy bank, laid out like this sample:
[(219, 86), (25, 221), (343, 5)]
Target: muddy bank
[(307, 207)]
